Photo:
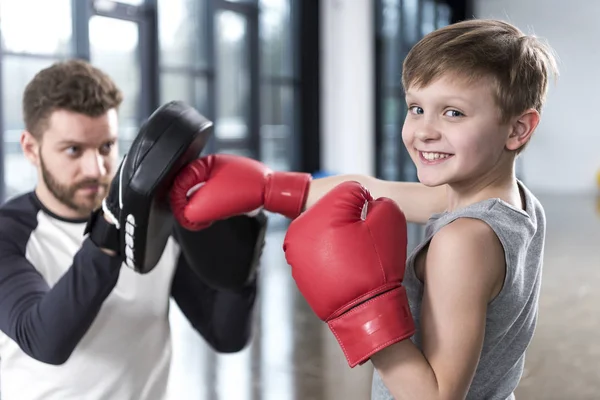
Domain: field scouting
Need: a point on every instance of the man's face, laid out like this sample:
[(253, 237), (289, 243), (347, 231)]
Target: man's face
[(77, 157)]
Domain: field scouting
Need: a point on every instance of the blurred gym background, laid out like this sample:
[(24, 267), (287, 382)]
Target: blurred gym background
[(314, 85)]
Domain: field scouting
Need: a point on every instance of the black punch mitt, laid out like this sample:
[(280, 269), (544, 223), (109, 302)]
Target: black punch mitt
[(138, 201)]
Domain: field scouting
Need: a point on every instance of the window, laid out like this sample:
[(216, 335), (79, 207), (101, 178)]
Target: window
[(390, 107), (208, 58), (183, 37), (51, 18), (399, 25), (114, 48), (24, 53), (236, 62), (279, 84)]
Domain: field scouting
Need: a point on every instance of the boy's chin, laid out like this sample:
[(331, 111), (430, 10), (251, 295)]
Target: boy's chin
[(430, 180)]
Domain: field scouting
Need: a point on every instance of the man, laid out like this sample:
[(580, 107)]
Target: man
[(75, 321)]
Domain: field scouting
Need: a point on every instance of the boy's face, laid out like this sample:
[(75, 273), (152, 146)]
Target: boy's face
[(453, 133)]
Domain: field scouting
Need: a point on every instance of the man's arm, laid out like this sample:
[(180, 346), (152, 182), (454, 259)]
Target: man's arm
[(48, 322), (222, 317), (417, 201), (463, 271), (215, 283)]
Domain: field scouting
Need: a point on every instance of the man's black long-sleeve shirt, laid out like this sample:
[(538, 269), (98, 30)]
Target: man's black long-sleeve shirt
[(75, 323)]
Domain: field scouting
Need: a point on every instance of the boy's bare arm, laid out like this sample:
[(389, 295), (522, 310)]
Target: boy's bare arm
[(464, 266), (417, 201)]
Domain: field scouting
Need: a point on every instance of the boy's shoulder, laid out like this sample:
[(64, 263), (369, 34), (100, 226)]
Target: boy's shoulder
[(462, 247), (462, 231), (466, 241), (490, 232)]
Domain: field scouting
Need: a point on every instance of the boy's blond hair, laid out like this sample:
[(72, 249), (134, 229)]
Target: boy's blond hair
[(518, 65)]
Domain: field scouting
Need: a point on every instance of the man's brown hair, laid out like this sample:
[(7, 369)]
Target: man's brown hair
[(518, 65), (72, 85)]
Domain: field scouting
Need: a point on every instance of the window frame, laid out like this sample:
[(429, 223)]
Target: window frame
[(304, 80), (460, 10)]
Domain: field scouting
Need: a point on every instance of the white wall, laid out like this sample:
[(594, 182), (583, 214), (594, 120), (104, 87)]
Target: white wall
[(565, 153), (347, 86)]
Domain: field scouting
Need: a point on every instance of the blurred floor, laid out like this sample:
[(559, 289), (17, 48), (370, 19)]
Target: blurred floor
[(563, 361), (293, 355)]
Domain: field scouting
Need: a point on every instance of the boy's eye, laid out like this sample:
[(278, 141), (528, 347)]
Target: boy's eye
[(454, 113), (416, 110)]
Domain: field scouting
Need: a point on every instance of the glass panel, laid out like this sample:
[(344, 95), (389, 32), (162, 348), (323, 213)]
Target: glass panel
[(181, 32), (392, 60), (392, 138), (184, 87), (444, 15), (36, 26), (391, 18), (201, 96), (16, 74), (277, 127), (277, 49), (176, 86), (410, 18), (132, 2), (114, 49), (236, 151), (428, 22), (232, 76)]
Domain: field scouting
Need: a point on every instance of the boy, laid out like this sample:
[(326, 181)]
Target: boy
[(475, 92)]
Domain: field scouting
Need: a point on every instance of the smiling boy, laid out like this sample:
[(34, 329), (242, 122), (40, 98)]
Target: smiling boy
[(475, 92)]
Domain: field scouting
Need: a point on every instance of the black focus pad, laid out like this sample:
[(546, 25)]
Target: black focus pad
[(227, 253), (174, 135)]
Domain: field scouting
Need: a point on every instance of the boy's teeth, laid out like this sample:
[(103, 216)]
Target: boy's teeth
[(434, 156)]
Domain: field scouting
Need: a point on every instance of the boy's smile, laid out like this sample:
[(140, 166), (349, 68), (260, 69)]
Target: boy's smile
[(433, 158)]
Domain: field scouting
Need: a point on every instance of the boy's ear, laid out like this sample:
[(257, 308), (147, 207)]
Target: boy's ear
[(31, 147), (522, 129)]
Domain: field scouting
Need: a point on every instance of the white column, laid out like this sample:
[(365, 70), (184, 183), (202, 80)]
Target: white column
[(347, 141), (347, 86)]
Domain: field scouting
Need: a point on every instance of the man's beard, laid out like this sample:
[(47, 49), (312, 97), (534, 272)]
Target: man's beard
[(66, 194)]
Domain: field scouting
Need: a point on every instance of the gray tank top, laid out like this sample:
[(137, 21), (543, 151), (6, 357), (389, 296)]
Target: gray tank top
[(512, 315)]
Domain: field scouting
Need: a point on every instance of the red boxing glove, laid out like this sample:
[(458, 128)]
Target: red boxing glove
[(234, 185), (348, 255)]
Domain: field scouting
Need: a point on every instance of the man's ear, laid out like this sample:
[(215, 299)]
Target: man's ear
[(522, 128), (31, 147)]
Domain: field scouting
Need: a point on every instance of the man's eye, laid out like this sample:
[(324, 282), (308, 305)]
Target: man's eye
[(73, 150), (106, 148)]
